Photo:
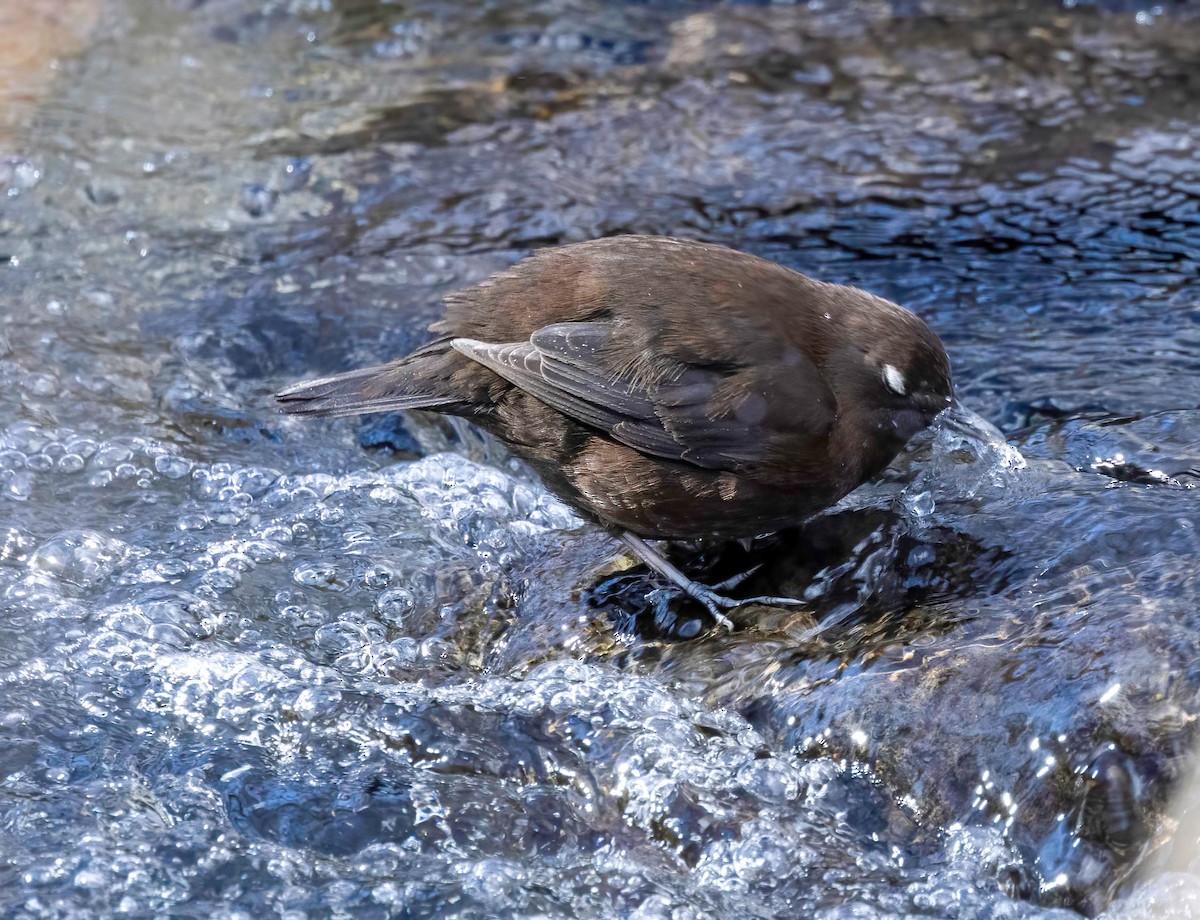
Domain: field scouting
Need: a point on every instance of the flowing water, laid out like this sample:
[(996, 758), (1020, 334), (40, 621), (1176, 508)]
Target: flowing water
[(252, 667)]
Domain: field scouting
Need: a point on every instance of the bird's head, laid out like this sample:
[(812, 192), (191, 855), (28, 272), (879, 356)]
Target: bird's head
[(891, 377)]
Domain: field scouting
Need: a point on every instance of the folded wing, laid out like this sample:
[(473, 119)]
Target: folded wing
[(734, 418)]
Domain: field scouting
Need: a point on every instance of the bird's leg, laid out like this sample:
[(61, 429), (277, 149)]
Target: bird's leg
[(659, 563), (707, 596)]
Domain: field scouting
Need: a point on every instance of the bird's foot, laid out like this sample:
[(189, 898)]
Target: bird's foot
[(711, 598), (716, 603)]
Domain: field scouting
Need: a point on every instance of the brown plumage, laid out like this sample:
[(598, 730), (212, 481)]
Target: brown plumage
[(670, 389)]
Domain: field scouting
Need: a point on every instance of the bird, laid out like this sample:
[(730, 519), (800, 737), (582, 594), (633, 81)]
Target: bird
[(668, 389)]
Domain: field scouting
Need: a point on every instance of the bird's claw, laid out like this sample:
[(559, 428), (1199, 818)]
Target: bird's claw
[(716, 603), (713, 601), (736, 579), (720, 618)]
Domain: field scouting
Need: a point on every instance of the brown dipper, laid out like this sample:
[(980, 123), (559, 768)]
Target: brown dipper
[(669, 389)]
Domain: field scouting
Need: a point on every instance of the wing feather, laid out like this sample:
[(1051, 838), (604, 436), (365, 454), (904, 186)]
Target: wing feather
[(692, 413)]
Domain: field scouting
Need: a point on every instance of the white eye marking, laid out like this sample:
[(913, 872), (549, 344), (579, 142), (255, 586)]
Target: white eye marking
[(894, 380)]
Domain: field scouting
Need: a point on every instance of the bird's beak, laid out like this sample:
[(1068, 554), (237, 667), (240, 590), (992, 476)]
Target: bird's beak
[(957, 419), (936, 407)]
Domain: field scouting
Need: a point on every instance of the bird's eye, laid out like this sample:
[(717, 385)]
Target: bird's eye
[(894, 380)]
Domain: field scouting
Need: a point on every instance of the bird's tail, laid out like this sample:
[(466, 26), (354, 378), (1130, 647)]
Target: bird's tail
[(410, 383)]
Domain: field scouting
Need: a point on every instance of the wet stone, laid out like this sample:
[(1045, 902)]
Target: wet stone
[(389, 432)]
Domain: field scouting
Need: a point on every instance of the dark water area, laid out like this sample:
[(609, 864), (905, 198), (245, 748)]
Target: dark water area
[(256, 667)]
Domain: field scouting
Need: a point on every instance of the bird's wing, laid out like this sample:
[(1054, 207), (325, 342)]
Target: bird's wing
[(725, 418)]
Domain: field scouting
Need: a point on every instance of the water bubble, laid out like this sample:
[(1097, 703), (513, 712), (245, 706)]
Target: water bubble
[(23, 436), (436, 650), (206, 484), (193, 521), (172, 568), (80, 558), (254, 481), (83, 446), (236, 561), (16, 485), (406, 650), (386, 495), (302, 616), (313, 700), (127, 619), (341, 638), (221, 581), (169, 635), (40, 463), (377, 576), (100, 479), (317, 575), (277, 533), (172, 467), (395, 605), (332, 515), (111, 455)]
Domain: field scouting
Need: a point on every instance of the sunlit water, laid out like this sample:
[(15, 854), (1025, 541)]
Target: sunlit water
[(250, 667)]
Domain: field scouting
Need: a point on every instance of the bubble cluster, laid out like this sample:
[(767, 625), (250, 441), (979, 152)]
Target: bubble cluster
[(31, 455)]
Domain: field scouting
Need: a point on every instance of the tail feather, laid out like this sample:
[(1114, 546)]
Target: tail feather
[(369, 389)]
